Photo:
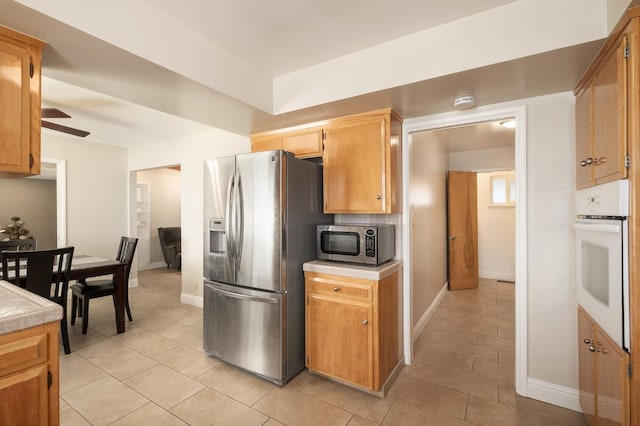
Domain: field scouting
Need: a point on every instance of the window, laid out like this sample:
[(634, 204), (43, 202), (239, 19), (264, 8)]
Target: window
[(503, 190)]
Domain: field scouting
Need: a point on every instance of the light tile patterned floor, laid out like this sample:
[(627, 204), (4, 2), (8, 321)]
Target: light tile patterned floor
[(157, 374)]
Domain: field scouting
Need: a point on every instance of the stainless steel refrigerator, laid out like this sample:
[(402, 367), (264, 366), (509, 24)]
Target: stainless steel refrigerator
[(261, 211)]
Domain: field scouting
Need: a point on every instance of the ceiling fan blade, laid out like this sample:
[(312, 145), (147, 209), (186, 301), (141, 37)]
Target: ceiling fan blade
[(54, 113), (64, 129)]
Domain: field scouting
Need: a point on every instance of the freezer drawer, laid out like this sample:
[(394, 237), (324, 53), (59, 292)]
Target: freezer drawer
[(245, 328)]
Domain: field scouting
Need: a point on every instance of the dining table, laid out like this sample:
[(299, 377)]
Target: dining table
[(87, 266)]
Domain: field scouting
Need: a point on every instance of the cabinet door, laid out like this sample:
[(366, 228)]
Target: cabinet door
[(355, 167), (612, 383), (24, 397), (610, 117), (587, 366), (266, 143), (15, 119), (584, 161), (339, 339), (304, 145)]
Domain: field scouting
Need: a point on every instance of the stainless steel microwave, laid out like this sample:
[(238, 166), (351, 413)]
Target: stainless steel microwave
[(370, 245)]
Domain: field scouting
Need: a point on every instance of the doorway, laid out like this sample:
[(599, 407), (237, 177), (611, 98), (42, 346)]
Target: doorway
[(158, 204), (415, 318)]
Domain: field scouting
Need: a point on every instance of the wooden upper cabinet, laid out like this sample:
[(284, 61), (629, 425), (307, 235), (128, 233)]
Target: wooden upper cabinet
[(601, 118), (302, 143), (584, 169), (20, 56), (361, 159), (361, 164), (610, 117)]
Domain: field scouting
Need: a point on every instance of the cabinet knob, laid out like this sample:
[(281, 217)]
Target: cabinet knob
[(604, 351), (378, 197), (593, 349), (598, 161), (336, 289), (587, 341), (365, 322), (587, 162)]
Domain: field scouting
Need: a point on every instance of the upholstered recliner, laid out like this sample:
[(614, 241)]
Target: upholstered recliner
[(170, 244)]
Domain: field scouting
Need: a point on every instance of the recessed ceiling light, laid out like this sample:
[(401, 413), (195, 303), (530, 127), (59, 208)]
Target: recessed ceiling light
[(509, 124)]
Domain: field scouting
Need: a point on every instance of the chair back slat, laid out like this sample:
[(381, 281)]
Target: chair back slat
[(126, 251)]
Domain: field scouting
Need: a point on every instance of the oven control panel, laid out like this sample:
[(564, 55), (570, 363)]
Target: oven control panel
[(608, 199)]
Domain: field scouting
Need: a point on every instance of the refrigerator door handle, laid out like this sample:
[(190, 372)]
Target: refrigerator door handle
[(229, 222), (264, 299), (240, 217)]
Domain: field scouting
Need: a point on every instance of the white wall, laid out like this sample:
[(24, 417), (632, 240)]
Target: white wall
[(551, 261), (189, 152), (496, 235), (164, 204), (486, 159), (428, 216), (97, 203)]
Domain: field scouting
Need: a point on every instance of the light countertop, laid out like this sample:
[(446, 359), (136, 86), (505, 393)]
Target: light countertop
[(367, 272), (20, 309)]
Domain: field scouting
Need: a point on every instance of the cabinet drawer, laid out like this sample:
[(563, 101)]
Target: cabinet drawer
[(362, 291), (23, 353)]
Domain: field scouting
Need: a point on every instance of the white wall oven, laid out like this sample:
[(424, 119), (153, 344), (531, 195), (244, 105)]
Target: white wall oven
[(602, 263)]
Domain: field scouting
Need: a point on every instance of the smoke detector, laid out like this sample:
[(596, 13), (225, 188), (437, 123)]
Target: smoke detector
[(464, 102)]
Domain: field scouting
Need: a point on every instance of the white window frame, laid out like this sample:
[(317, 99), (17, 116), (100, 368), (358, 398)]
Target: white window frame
[(510, 179)]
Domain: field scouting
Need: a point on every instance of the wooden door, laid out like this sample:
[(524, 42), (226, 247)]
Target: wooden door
[(339, 339), (612, 382), (463, 230), (24, 397), (610, 118), (587, 367), (354, 168)]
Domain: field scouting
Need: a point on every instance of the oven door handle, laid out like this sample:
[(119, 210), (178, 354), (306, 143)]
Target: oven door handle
[(603, 227)]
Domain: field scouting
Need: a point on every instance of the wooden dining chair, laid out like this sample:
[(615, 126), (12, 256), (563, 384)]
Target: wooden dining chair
[(26, 244), (84, 290), (45, 273)]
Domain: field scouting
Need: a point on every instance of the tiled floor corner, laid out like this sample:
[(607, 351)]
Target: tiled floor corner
[(156, 373)]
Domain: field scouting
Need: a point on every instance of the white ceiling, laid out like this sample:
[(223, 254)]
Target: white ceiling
[(281, 36), (123, 98)]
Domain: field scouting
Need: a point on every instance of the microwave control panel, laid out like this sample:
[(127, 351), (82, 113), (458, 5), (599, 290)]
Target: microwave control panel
[(370, 243)]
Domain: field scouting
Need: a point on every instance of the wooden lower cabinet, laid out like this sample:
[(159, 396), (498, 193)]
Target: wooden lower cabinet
[(352, 328), (603, 380), (29, 379)]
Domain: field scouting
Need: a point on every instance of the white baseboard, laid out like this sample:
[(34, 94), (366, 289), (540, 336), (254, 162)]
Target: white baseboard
[(502, 276), (554, 394), (154, 265), (424, 319), (190, 299)]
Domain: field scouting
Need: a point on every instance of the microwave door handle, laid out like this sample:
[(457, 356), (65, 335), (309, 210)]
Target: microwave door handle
[(602, 227)]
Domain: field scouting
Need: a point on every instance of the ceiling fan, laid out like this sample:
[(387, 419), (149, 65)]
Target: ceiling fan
[(56, 113)]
